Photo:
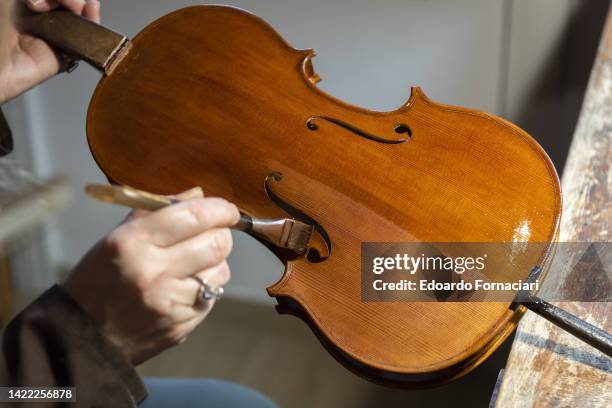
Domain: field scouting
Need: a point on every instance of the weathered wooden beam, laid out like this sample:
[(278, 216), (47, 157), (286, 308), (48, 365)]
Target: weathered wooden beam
[(6, 292), (548, 367)]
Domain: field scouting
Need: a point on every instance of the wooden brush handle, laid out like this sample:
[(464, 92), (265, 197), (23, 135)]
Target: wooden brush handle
[(133, 198), (129, 197)]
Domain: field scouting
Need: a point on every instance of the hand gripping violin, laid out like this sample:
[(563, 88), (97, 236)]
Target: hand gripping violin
[(212, 96)]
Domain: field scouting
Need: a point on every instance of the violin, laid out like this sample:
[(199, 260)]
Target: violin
[(213, 96)]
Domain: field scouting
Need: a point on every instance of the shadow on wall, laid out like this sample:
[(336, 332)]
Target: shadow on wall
[(554, 104), (473, 390)]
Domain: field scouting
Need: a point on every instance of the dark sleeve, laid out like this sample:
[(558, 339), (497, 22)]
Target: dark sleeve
[(54, 343), (6, 138)]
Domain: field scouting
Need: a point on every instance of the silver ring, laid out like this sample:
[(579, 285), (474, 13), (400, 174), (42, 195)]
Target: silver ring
[(206, 292)]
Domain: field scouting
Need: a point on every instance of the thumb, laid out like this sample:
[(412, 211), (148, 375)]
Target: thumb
[(41, 5)]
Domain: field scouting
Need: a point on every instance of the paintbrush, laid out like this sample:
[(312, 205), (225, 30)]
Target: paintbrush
[(282, 232)]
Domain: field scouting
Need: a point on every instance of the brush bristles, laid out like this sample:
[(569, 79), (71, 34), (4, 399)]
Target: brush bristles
[(299, 237)]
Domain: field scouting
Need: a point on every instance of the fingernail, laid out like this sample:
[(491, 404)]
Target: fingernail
[(195, 190), (35, 2)]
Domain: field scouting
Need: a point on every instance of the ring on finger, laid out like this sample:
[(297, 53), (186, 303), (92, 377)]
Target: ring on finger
[(206, 292)]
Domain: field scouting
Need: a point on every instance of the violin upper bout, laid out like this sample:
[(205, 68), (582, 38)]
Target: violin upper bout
[(416, 94)]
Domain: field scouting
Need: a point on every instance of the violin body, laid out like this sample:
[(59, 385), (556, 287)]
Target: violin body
[(212, 96)]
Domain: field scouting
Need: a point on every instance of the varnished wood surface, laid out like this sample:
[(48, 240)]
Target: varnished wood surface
[(548, 367), (213, 96)]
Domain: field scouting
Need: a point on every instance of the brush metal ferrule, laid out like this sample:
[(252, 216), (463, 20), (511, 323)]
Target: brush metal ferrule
[(275, 231)]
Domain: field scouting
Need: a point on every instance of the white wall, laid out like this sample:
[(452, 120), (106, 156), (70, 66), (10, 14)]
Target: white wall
[(369, 53)]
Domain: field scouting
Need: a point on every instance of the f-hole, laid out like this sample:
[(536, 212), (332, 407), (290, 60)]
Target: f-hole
[(313, 255), (400, 128)]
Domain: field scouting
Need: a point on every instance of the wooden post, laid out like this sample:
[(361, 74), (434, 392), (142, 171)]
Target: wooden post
[(548, 367), (6, 292)]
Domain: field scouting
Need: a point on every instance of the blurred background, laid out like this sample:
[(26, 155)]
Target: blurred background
[(525, 60)]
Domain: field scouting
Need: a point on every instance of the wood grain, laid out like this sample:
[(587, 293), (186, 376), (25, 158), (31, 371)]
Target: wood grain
[(548, 367), (212, 96)]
